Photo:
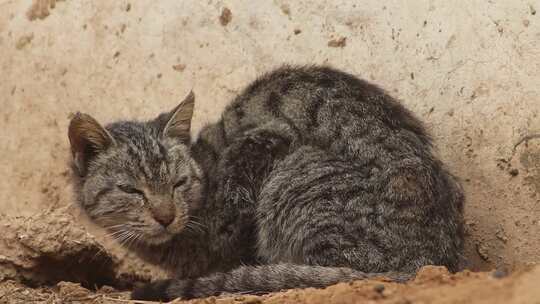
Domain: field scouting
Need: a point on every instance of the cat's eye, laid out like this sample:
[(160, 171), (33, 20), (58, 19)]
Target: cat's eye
[(130, 189), (182, 181)]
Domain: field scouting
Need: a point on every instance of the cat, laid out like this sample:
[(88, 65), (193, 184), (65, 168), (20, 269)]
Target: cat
[(312, 176)]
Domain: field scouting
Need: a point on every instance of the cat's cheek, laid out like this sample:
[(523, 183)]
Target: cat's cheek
[(193, 196), (187, 199), (178, 225)]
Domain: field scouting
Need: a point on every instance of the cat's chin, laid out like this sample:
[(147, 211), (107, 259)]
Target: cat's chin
[(159, 239)]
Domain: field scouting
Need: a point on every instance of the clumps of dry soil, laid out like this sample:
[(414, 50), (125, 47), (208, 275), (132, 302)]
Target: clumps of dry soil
[(432, 285), (64, 292), (50, 258), (40, 9), (50, 247)]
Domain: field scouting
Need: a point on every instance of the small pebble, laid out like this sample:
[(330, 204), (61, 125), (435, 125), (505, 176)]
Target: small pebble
[(379, 288), (338, 42), (179, 67), (225, 17), (499, 273), (285, 9)]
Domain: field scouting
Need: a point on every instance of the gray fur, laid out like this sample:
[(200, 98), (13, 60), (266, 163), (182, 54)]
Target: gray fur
[(311, 177)]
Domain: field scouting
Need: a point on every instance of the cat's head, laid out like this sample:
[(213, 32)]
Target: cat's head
[(137, 179)]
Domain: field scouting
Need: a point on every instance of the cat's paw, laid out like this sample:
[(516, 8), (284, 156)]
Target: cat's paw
[(155, 291)]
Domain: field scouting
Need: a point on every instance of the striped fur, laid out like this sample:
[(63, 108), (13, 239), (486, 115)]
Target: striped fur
[(311, 177)]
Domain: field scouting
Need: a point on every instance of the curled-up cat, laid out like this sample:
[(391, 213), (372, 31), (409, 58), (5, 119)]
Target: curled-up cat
[(311, 177)]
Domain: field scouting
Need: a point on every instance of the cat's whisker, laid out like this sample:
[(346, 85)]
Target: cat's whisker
[(115, 226), (198, 224), (195, 217), (100, 251), (192, 229), (129, 239), (134, 240), (116, 234), (115, 231), (138, 239), (122, 237), (196, 227)]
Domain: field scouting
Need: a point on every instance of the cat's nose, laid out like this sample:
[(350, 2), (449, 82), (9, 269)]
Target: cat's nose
[(164, 217), (164, 220)]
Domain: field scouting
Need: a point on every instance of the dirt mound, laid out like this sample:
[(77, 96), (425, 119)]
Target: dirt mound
[(64, 292), (50, 247)]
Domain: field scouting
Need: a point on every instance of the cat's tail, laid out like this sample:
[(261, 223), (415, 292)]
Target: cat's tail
[(257, 280)]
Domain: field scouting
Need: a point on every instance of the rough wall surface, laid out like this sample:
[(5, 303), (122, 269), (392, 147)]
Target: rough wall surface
[(468, 69)]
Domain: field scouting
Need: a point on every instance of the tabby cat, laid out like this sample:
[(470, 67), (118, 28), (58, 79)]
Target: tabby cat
[(311, 177)]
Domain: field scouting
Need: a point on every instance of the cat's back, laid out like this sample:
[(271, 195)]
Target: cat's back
[(355, 150), (322, 106)]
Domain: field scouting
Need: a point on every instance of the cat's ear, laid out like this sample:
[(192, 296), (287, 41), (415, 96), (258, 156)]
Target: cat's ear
[(87, 138), (179, 122)]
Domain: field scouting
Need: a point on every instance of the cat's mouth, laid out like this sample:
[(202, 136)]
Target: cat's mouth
[(150, 232), (159, 238), (164, 234)]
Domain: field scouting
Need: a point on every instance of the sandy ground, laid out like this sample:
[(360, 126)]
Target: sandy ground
[(50, 258), (432, 285)]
